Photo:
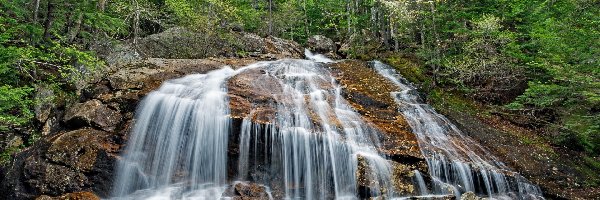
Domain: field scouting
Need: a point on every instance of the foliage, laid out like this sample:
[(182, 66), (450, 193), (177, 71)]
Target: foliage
[(535, 56), (47, 47), (15, 104)]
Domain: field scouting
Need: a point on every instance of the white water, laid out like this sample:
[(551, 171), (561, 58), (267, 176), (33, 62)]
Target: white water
[(456, 163), (316, 138), (178, 148), (316, 57)]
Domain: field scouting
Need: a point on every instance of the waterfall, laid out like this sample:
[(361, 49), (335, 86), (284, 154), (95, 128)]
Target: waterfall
[(456, 163), (179, 142), (186, 143), (317, 140), (316, 144)]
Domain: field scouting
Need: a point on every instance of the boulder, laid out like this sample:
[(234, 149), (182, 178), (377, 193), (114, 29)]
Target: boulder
[(71, 196), (47, 178), (92, 113), (247, 191), (177, 42), (80, 160), (269, 48), (469, 196), (182, 43), (78, 149), (321, 44)]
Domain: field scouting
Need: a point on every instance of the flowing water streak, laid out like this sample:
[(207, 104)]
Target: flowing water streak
[(178, 147), (317, 57), (456, 163), (316, 138)]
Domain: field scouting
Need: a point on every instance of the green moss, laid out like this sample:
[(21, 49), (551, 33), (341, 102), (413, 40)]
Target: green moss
[(409, 69), (448, 101)]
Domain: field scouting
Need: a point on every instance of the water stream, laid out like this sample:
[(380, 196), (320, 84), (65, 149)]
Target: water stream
[(456, 163), (314, 147)]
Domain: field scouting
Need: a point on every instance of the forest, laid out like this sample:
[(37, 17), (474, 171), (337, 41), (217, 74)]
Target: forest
[(535, 63)]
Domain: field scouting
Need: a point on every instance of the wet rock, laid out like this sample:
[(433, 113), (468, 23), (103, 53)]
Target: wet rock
[(402, 179), (436, 197), (150, 73), (469, 196), (92, 113), (371, 97), (367, 182), (71, 196), (252, 91), (247, 191)]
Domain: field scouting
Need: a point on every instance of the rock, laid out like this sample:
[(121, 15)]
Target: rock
[(270, 47), (92, 113), (51, 126), (80, 160), (181, 43), (177, 42), (251, 91), (15, 142), (247, 191), (116, 54), (321, 44), (150, 73), (52, 179), (371, 97), (345, 49), (10, 141), (44, 98), (71, 196), (78, 149), (469, 196)]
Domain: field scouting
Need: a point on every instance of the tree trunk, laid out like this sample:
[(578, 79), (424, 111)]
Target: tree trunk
[(270, 17), (136, 23), (101, 5), (73, 32), (255, 4), (49, 20), (36, 10), (436, 44), (305, 20)]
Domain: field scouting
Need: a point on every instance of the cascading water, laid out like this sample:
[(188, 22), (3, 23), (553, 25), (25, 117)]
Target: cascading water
[(456, 163), (316, 141), (178, 146)]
